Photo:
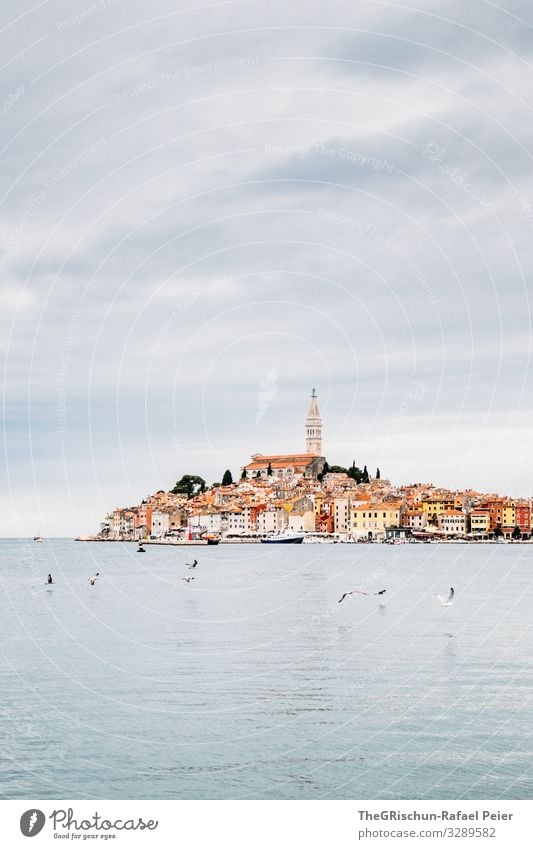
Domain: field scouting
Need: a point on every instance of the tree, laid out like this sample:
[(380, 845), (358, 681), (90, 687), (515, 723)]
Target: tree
[(215, 485), (378, 474), (355, 473), (269, 469), (498, 531), (227, 478), (517, 533), (366, 476), (338, 469), (325, 470), (189, 485), (244, 474)]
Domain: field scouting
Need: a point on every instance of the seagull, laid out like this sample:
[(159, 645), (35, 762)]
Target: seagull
[(92, 580), (446, 601), (192, 565), (381, 592), (352, 592), (189, 579)]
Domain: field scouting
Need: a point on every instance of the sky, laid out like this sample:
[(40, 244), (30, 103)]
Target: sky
[(209, 208)]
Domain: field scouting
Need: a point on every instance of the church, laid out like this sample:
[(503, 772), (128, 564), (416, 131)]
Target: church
[(288, 466)]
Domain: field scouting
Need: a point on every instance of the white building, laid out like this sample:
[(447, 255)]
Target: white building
[(160, 524), (301, 521), (341, 515), (272, 519), (453, 523)]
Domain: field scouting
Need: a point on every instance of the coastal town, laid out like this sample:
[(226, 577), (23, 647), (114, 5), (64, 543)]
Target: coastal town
[(279, 495)]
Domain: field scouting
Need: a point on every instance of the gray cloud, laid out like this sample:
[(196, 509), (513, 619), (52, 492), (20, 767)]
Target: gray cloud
[(173, 226)]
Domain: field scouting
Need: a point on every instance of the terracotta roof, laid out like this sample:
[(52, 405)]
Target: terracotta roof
[(280, 461)]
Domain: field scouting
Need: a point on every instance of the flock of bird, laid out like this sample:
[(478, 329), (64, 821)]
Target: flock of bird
[(446, 601), (190, 578)]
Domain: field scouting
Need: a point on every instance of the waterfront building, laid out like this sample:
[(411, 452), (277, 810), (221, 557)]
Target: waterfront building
[(479, 520), (452, 523), (415, 519), (341, 513), (370, 520), (523, 517), (160, 524), (274, 518)]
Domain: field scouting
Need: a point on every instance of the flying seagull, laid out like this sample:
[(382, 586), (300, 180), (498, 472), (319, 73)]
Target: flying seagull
[(446, 601), (92, 580), (192, 565), (189, 579), (352, 592)]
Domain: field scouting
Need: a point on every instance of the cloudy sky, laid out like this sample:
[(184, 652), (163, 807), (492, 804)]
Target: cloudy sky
[(209, 208)]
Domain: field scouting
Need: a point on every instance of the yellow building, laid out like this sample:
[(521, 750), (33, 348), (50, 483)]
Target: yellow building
[(369, 520), (319, 501), (509, 515), (435, 507)]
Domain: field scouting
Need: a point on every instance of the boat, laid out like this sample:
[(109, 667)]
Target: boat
[(212, 540), (285, 537), (141, 549), (38, 538)]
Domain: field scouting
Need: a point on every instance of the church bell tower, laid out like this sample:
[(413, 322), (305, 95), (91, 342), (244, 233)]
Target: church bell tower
[(313, 428)]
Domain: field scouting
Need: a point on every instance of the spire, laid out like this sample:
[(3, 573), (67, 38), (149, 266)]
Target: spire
[(313, 428), (313, 407)]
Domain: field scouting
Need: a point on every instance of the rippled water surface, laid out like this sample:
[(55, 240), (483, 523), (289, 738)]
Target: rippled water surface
[(253, 682)]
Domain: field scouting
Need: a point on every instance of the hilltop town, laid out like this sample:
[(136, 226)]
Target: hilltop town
[(301, 493)]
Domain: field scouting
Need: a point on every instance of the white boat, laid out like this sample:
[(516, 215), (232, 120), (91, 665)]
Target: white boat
[(285, 537)]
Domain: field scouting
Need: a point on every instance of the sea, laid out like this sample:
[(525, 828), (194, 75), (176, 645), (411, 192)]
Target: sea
[(252, 681)]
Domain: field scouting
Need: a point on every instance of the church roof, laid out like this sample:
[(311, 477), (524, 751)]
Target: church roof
[(279, 461)]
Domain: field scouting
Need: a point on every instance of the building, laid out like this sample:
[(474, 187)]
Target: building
[(480, 522), (160, 524), (415, 519), (371, 520), (452, 523), (313, 428), (436, 506), (288, 467), (284, 466), (341, 513), (523, 517), (274, 518)]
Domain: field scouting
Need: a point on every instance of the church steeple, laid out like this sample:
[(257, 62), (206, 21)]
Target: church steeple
[(313, 428)]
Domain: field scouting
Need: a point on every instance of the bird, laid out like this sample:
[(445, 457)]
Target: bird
[(351, 592), (92, 580), (381, 592), (189, 579), (446, 601), (192, 565)]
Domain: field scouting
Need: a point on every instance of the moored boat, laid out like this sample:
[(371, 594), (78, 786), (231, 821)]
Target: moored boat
[(286, 538)]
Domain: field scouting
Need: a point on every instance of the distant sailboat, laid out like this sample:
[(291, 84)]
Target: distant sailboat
[(38, 538)]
